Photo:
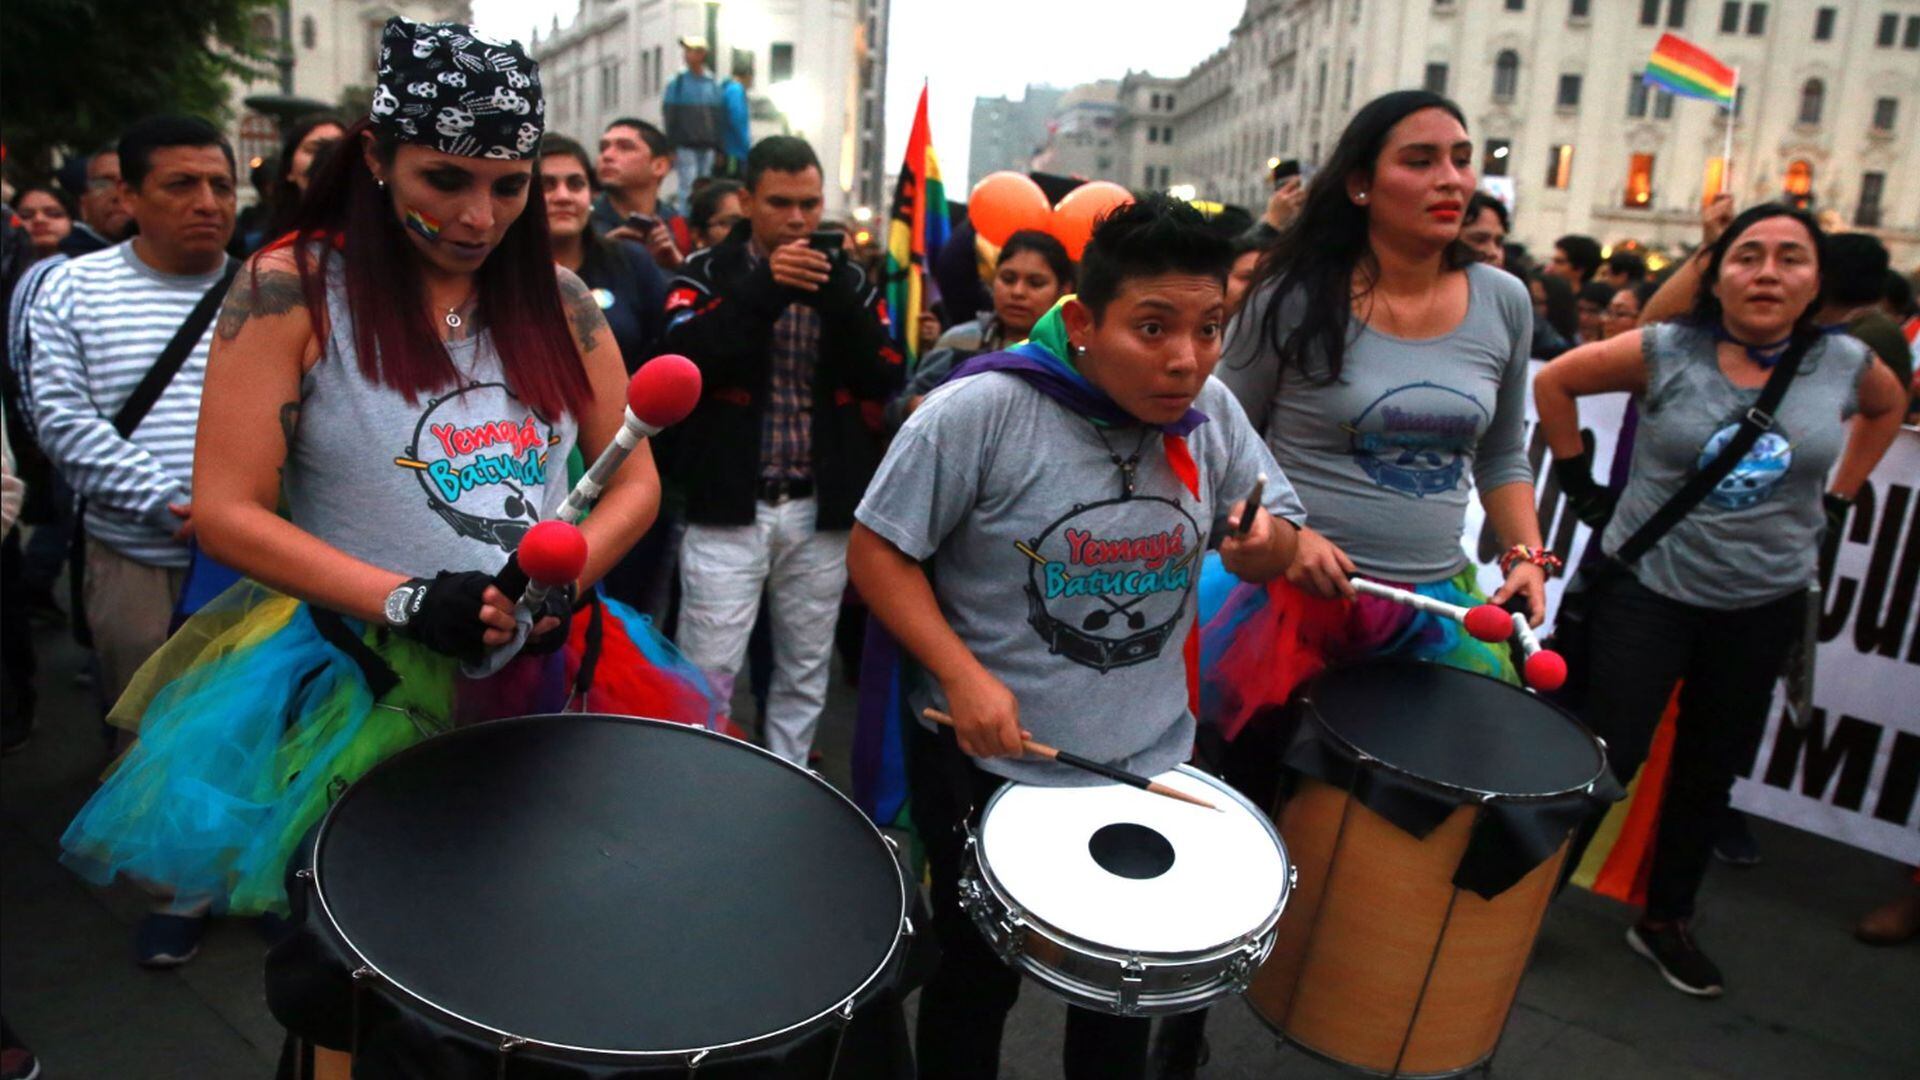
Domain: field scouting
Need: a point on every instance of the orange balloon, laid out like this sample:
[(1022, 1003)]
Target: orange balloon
[(1004, 203), (1084, 206)]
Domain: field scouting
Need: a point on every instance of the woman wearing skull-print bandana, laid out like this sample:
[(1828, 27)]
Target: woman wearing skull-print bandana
[(408, 373)]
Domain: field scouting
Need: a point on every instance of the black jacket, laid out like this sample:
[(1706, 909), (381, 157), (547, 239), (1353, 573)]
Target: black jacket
[(721, 308)]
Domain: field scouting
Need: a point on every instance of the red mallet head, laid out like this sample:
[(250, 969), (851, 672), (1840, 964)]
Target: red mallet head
[(1546, 671), (1489, 623), (553, 553), (664, 390)]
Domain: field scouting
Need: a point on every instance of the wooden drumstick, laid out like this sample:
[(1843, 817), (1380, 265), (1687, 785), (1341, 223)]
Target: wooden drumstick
[(1040, 749)]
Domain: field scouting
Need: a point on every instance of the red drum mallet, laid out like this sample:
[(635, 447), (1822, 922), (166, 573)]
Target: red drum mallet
[(660, 394)]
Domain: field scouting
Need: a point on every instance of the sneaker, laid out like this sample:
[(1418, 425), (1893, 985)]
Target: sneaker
[(1735, 844), (18, 1063), (168, 941), (1681, 963)]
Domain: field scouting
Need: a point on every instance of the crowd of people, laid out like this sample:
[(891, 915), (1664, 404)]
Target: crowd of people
[(306, 436)]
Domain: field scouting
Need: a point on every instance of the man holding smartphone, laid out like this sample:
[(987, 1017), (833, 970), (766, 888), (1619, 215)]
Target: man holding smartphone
[(792, 347), (634, 159)]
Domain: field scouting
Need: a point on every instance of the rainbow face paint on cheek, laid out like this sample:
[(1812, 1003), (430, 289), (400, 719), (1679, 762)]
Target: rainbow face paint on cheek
[(424, 224)]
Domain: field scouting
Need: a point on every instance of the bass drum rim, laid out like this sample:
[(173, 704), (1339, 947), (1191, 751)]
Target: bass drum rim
[(510, 1042)]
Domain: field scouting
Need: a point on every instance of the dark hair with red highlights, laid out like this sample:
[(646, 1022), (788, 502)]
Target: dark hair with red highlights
[(517, 293)]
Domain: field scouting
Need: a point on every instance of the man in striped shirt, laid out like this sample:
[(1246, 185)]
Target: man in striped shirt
[(98, 324)]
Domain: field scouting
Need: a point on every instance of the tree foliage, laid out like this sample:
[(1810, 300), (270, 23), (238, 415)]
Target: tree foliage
[(74, 73)]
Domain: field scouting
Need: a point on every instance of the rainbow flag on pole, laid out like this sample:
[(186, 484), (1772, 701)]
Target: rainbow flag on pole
[(1681, 67), (915, 234)]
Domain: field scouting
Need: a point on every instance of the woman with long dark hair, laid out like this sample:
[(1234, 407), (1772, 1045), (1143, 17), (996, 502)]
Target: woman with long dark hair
[(407, 374), (306, 144), (1717, 600), (1387, 369)]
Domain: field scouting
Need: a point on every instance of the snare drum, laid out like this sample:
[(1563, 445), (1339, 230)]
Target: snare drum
[(585, 896), (1432, 812), (1123, 901)]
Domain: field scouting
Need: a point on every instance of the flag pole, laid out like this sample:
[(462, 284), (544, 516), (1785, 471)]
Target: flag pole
[(1733, 109)]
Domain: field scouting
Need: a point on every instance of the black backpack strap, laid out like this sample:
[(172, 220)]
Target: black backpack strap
[(174, 356), (1757, 421)]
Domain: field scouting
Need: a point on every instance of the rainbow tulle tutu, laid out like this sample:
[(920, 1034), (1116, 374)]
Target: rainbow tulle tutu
[(251, 722), (1259, 642)]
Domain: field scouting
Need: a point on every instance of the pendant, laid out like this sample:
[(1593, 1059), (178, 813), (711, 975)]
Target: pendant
[(453, 319)]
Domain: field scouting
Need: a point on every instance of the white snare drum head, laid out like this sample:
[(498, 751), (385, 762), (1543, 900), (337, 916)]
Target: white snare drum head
[(1092, 862)]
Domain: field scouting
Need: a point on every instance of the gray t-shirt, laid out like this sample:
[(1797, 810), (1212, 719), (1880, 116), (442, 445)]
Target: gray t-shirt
[(450, 481), (1077, 599), (1385, 457), (1756, 536)]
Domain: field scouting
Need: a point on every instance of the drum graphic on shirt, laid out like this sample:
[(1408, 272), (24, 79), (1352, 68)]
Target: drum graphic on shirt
[(1107, 583), (1752, 481), (496, 466), (1414, 439)]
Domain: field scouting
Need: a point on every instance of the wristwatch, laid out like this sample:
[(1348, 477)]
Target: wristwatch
[(404, 602)]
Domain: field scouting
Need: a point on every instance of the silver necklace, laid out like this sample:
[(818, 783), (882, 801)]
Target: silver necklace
[(454, 321)]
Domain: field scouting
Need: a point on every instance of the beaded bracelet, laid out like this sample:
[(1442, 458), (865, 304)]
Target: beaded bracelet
[(1540, 557)]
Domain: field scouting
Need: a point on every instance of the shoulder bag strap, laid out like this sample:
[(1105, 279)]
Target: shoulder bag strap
[(1755, 423), (174, 356)]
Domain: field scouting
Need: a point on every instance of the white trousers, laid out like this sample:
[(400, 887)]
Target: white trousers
[(722, 571)]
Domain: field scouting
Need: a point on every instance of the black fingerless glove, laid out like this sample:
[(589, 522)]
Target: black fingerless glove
[(1835, 507), (444, 613), (1591, 503), (558, 604)]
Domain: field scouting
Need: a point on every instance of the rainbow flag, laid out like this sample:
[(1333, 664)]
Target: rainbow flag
[(1681, 67), (915, 234)]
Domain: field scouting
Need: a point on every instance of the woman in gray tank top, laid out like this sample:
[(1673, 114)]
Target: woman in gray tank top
[(409, 376), (1718, 599)]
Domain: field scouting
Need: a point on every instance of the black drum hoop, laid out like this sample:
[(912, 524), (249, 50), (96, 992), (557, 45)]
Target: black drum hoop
[(509, 1042), (1361, 757)]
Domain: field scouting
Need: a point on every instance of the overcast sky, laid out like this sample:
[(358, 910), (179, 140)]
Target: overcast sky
[(987, 47)]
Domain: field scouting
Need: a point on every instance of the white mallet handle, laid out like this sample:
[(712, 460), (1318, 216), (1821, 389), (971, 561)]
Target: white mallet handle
[(1411, 599)]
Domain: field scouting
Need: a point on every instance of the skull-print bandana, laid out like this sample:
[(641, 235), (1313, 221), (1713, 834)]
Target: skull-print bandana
[(444, 86)]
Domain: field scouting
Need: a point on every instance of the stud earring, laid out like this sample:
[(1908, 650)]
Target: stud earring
[(1079, 350), (1362, 197)]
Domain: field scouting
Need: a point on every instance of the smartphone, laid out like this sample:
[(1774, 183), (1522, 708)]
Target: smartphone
[(829, 242), (641, 223), (1286, 170)]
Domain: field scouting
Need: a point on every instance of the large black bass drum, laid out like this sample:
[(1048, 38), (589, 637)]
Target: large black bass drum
[(596, 897)]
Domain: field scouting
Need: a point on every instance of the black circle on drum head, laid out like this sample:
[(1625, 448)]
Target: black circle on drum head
[(609, 884), (1130, 851), (1454, 729)]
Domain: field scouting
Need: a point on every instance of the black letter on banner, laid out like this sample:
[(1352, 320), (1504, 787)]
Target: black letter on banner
[(1886, 600), (1903, 778), (1850, 751)]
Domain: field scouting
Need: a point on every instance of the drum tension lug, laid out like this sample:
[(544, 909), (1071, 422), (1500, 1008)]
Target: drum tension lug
[(305, 874), (510, 1043), (695, 1060), (906, 926), (1133, 976), (362, 972)]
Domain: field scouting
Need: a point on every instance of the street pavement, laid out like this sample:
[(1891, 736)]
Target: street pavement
[(1804, 1000)]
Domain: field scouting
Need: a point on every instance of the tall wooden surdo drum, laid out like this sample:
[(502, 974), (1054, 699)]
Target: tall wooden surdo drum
[(583, 896), (1430, 813)]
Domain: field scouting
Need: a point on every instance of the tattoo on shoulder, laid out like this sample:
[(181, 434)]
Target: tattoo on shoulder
[(270, 292), (583, 311)]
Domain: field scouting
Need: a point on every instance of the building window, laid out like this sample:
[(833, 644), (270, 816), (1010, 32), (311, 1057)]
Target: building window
[(1320, 85), (1346, 88), (1637, 92), (1166, 135), (1150, 172), (1677, 14), (1494, 157), (1560, 166), (1911, 39), (1871, 186), (1577, 9), (1730, 17), (1813, 99), (1889, 29), (1169, 102), (1799, 183), (1639, 189), (659, 72), (1886, 111), (1662, 104), (779, 62), (1823, 24), (1649, 12), (1506, 75), (1756, 19), (1516, 5), (1568, 96), (308, 32), (1436, 80), (1153, 134), (1156, 106)]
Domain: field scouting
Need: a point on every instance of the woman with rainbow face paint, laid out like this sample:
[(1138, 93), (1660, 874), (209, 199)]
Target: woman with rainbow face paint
[(407, 374)]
